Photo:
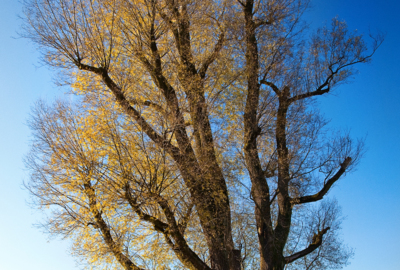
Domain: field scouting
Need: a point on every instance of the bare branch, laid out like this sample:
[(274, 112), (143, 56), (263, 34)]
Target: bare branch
[(316, 242), (318, 196), (317, 92), (273, 87)]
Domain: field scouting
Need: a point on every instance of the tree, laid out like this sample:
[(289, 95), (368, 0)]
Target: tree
[(195, 142)]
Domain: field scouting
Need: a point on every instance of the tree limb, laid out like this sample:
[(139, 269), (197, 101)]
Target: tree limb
[(105, 230), (180, 247), (318, 196), (158, 224), (124, 103), (325, 86), (273, 87), (322, 89), (316, 242), (317, 92)]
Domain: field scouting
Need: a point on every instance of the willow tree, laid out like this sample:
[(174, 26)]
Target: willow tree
[(194, 142)]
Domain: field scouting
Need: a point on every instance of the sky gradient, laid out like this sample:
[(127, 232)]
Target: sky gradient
[(368, 107)]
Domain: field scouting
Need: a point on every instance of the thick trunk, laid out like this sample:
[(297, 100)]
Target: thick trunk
[(206, 184), (212, 201), (212, 204), (260, 189), (284, 202)]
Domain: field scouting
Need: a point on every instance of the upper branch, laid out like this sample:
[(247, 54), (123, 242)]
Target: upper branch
[(273, 87), (335, 51), (181, 32), (325, 87), (317, 92), (318, 196), (322, 89), (317, 241), (124, 103)]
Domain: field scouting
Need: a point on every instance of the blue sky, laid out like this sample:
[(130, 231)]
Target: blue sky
[(368, 106)]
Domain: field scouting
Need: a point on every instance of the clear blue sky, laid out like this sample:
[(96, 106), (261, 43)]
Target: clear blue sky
[(368, 106)]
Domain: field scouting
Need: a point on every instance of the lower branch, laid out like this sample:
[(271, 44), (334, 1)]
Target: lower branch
[(316, 242), (171, 231), (158, 224), (318, 196), (106, 232)]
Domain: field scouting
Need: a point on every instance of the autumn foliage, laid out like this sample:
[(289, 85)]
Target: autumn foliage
[(193, 140)]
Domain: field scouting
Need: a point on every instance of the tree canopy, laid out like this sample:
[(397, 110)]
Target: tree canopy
[(193, 141)]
